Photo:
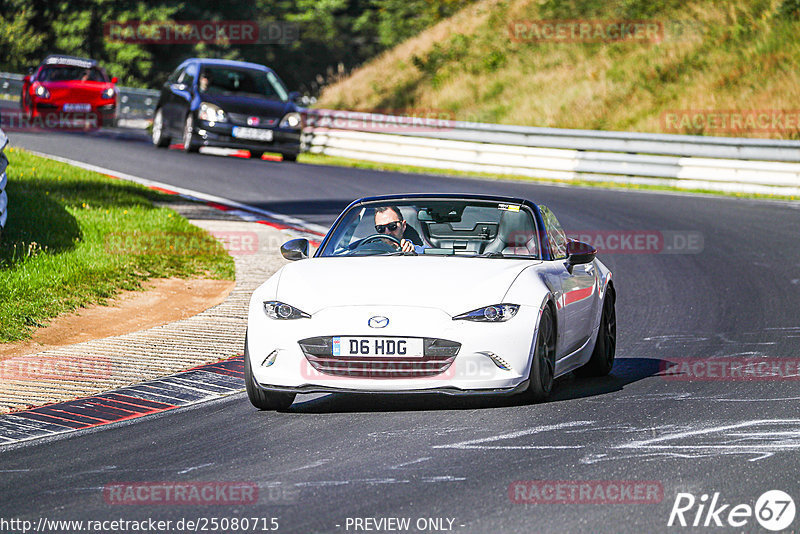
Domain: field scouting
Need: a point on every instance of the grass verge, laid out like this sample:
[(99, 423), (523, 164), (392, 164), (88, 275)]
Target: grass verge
[(321, 159), (75, 238)]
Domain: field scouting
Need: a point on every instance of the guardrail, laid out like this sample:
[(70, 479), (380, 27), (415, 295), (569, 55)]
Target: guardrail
[(3, 181), (763, 166), (136, 106)]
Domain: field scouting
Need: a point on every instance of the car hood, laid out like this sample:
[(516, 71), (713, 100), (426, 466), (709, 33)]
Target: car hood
[(249, 105), (455, 285), (76, 90)]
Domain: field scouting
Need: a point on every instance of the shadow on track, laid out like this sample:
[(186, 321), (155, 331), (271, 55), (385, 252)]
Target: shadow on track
[(626, 371)]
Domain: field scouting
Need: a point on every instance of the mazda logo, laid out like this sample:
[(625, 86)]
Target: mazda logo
[(378, 322)]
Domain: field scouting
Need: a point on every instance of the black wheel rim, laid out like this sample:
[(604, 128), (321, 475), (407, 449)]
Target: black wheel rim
[(546, 353), (610, 329)]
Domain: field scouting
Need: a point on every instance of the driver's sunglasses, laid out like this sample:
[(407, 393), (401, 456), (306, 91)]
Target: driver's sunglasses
[(392, 226)]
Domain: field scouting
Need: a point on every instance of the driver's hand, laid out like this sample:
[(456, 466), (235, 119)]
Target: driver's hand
[(406, 245)]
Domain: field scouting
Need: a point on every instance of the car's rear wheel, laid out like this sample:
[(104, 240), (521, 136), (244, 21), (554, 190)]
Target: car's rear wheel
[(189, 139), (602, 359), (263, 400), (160, 139), (543, 366), (289, 157)]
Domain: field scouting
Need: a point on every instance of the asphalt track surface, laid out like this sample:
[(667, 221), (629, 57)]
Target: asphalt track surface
[(336, 457)]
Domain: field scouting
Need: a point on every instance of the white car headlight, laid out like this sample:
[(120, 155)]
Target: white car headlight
[(496, 313), (281, 311), (211, 113), (108, 93), (42, 92), (291, 120)]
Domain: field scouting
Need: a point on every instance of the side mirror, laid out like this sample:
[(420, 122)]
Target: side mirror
[(114, 79), (295, 97), (579, 253), (296, 249), (27, 79)]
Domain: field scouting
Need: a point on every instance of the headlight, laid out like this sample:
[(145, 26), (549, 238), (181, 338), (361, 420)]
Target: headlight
[(280, 310), (491, 314), (211, 113), (291, 120), (42, 92), (108, 93)]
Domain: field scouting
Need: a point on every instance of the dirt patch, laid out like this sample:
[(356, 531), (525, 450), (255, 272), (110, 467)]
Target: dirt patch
[(164, 300)]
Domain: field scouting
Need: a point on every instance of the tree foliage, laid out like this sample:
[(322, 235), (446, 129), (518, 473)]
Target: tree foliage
[(334, 34)]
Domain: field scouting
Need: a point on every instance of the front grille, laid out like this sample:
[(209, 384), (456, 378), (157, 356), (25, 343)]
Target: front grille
[(240, 119), (438, 355)]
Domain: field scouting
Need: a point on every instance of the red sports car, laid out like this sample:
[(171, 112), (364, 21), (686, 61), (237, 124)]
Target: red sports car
[(66, 90)]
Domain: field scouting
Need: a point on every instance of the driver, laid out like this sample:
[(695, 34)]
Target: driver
[(205, 81), (388, 219)]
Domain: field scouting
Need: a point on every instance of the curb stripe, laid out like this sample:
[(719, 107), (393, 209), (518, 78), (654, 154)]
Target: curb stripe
[(199, 384)]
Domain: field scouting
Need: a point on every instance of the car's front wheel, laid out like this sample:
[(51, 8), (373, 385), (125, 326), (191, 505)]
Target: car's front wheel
[(160, 139), (263, 400), (543, 366), (256, 154), (289, 157), (189, 142), (602, 359)]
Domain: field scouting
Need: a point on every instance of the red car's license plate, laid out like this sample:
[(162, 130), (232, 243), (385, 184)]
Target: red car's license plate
[(78, 107)]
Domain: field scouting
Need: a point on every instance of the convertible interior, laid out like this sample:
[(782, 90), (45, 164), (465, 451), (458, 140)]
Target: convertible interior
[(450, 228)]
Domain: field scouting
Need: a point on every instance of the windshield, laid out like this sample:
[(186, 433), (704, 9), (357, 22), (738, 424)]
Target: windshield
[(233, 81), (472, 228), (69, 73)]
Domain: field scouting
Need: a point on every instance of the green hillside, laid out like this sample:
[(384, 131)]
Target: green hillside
[(713, 61)]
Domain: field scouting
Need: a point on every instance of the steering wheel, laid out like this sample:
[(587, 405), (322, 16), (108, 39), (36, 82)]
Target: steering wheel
[(393, 241)]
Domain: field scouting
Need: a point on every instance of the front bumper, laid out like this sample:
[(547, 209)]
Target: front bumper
[(475, 369), (284, 140)]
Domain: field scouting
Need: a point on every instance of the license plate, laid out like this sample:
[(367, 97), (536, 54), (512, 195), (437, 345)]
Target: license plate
[(405, 347), (78, 107), (257, 134)]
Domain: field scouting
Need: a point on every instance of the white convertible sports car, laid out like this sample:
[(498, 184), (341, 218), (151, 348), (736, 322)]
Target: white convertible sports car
[(455, 294)]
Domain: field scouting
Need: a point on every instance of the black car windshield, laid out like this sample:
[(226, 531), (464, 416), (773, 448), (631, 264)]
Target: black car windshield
[(238, 81), (54, 73), (474, 228)]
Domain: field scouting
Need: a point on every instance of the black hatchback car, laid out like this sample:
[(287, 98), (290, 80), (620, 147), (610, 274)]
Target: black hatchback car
[(233, 104)]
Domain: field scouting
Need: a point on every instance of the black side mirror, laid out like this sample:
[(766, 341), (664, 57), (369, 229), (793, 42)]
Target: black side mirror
[(295, 97), (578, 253), (296, 249)]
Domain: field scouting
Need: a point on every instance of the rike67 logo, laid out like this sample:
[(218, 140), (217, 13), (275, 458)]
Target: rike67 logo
[(774, 510)]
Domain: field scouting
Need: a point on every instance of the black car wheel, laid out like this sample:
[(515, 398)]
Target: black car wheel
[(160, 139), (263, 400), (189, 143), (602, 359), (256, 154), (543, 366), (289, 157)]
